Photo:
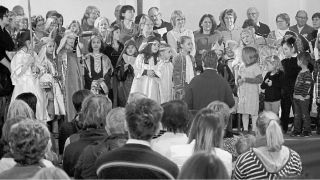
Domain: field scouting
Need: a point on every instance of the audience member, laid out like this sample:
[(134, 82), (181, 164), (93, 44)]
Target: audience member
[(245, 143), (51, 173), (30, 99), (283, 24), (143, 120), (20, 108)]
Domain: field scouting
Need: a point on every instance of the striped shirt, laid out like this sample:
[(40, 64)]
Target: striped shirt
[(303, 84), (249, 166)]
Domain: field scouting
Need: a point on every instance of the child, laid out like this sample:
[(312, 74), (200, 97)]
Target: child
[(124, 73), (249, 78), (244, 143), (166, 72), (98, 69), (290, 73), (147, 72), (272, 84), (301, 97), (183, 68)]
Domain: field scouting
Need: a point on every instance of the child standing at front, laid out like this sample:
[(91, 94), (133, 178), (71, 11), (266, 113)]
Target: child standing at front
[(272, 84), (183, 67), (166, 69), (249, 78), (301, 97)]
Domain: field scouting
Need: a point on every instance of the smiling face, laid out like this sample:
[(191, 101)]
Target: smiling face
[(70, 41), (247, 38), (74, 27), (128, 15), (187, 45), (180, 22), (50, 47), (282, 24), (131, 50), (96, 44), (206, 24), (104, 25)]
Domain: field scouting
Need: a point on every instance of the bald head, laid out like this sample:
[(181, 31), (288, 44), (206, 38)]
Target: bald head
[(253, 13)]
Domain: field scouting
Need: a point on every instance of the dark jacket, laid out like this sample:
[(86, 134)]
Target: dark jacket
[(291, 71), (273, 92), (66, 130), (225, 72), (207, 87), (135, 161), (74, 150), (167, 26), (85, 168)]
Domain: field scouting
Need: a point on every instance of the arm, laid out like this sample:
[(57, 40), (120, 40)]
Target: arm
[(257, 80), (6, 63), (229, 96), (264, 85)]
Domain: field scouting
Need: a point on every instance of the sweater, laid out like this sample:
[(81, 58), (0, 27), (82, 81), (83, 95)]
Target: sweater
[(303, 84), (291, 71), (273, 92)]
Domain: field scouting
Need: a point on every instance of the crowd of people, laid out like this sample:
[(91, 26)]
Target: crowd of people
[(142, 98)]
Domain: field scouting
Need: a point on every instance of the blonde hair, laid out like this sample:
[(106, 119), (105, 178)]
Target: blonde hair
[(98, 21), (20, 108), (222, 108), (175, 14), (116, 120), (250, 56), (268, 126), (48, 23), (249, 31), (88, 11), (274, 61)]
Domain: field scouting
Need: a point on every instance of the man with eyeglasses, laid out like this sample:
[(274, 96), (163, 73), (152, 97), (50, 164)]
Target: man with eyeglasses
[(261, 29), (301, 27), (160, 26)]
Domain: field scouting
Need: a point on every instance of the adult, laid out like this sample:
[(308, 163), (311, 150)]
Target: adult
[(301, 27), (228, 26), (143, 120), (128, 28), (94, 112), (103, 26), (160, 26), (117, 15), (89, 17), (272, 160), (178, 20), (316, 25), (18, 10), (20, 108), (261, 29), (208, 86), (283, 23), (206, 37)]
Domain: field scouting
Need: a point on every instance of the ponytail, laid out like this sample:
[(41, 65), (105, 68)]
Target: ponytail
[(274, 136)]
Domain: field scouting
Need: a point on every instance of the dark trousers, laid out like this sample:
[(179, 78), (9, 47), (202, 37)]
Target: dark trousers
[(302, 119), (318, 118), (286, 103)]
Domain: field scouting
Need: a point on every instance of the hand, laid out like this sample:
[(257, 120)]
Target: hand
[(269, 83)]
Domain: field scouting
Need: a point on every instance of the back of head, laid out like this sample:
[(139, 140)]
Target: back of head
[(51, 173), (175, 116), (28, 141), (22, 37), (94, 111), (78, 97), (222, 108), (143, 118), (3, 11), (7, 127), (135, 96), (210, 59), (207, 130), (116, 121), (203, 165), (250, 55), (305, 58), (20, 108), (268, 126), (30, 99)]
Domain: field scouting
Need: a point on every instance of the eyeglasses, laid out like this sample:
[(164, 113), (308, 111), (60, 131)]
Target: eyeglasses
[(301, 17), (154, 16)]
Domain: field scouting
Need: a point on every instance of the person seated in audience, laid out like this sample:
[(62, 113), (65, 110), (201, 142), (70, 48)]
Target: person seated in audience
[(244, 143), (93, 114), (206, 134), (203, 165), (271, 161), (174, 120), (30, 99), (136, 159), (20, 108), (28, 142), (117, 137), (67, 129), (51, 173), (135, 96)]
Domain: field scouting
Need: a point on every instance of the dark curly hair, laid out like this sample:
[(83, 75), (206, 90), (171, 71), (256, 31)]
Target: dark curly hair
[(28, 142), (143, 117)]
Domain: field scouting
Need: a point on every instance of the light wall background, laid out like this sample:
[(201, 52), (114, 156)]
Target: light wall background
[(193, 9)]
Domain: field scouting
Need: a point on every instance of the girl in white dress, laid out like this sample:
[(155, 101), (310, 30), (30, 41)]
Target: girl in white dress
[(25, 74)]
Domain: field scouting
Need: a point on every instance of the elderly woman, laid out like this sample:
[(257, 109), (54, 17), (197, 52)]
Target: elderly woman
[(272, 160), (178, 20), (93, 114), (283, 24), (206, 37), (228, 26), (117, 137), (28, 142), (102, 24)]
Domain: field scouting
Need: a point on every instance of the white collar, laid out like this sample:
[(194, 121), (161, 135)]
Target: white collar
[(258, 23), (137, 141)]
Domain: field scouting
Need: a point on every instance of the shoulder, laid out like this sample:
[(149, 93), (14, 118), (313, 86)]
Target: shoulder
[(263, 24), (293, 27)]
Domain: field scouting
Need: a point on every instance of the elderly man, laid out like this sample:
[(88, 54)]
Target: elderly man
[(160, 26), (261, 29), (301, 27), (208, 86)]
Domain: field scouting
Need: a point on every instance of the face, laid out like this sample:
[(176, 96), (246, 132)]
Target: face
[(23, 24), (40, 25), (155, 16), (128, 15), (50, 47), (166, 54), (219, 53), (53, 25), (94, 15), (155, 47), (253, 14), (180, 22), (5, 19), (96, 44), (316, 22), (187, 45), (131, 50), (288, 51), (269, 67), (282, 24), (70, 41), (103, 26), (148, 27), (74, 27), (229, 20), (247, 39), (206, 24), (301, 19), (116, 34)]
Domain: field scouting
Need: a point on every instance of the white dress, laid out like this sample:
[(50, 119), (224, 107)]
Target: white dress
[(149, 86), (166, 68), (27, 82)]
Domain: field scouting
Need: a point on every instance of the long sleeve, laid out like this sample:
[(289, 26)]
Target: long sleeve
[(264, 85), (138, 66)]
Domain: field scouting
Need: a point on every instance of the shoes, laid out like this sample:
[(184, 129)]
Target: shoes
[(306, 134), (295, 134)]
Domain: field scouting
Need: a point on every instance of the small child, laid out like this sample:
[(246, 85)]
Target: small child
[(244, 143), (272, 84), (183, 67), (249, 78), (301, 97), (166, 72)]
